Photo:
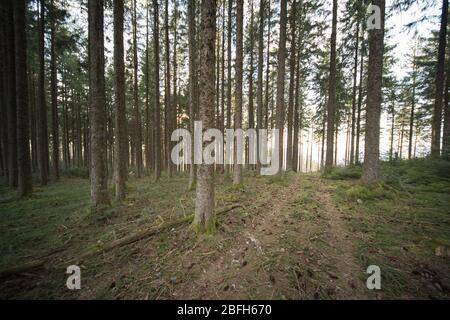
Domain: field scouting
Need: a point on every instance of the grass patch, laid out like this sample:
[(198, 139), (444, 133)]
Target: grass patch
[(401, 223), (344, 173)]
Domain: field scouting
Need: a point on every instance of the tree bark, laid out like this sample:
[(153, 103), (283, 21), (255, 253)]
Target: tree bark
[(237, 177), (446, 134), (229, 82), (355, 77), (167, 96), (156, 84), (192, 86), (292, 69), (23, 134), (99, 191), (331, 106), (280, 105), (11, 97), (42, 104), (204, 220), (266, 95), (360, 97), (137, 114), (413, 107), (120, 161), (439, 84), (259, 98), (54, 97), (371, 169)]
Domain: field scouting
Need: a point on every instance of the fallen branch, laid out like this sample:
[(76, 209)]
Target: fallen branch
[(146, 234), (107, 247)]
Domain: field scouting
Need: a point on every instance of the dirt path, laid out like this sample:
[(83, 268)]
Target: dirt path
[(297, 248)]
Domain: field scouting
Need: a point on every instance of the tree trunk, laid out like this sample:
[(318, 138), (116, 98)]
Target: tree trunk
[(167, 96), (259, 98), (293, 63), (23, 135), (374, 99), (99, 191), (446, 135), (237, 177), (156, 84), (391, 148), (360, 96), (54, 97), (42, 105), (437, 112), (148, 125), (251, 108), (280, 82), (331, 107), (355, 77), (192, 86), (120, 161), (137, 115), (11, 97), (3, 92), (413, 106), (175, 80), (266, 97), (204, 220), (229, 82)]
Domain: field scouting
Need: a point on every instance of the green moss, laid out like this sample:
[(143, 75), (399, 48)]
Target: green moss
[(343, 173), (209, 228), (368, 192)]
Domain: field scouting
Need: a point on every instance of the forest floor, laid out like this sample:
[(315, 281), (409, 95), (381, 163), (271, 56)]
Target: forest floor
[(298, 236)]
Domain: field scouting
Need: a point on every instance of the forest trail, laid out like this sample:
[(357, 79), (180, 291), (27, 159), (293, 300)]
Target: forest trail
[(297, 236), (297, 248)]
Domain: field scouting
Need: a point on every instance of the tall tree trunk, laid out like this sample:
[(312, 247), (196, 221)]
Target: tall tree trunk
[(23, 135), (99, 190), (3, 90), (292, 69), (259, 98), (360, 96), (355, 77), (148, 125), (42, 104), (331, 107), (413, 106), (175, 75), (192, 86), (251, 108), (11, 97), (439, 93), (157, 135), (446, 135), (137, 115), (54, 97), (204, 219), (374, 98), (120, 161), (391, 148), (280, 82), (167, 95), (237, 177), (297, 111), (401, 138), (229, 82), (222, 120), (266, 97)]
